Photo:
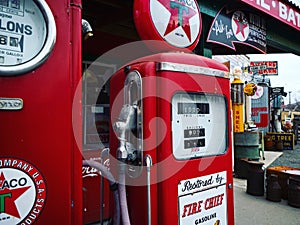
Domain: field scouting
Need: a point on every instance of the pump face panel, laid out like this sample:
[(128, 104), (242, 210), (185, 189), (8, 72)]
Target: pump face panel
[(198, 121)]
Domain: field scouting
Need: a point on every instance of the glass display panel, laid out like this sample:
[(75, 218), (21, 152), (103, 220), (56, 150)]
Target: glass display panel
[(199, 125)]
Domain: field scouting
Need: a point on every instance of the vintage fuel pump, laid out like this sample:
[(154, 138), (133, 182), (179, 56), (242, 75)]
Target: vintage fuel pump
[(40, 67), (171, 127), (237, 93), (172, 139)]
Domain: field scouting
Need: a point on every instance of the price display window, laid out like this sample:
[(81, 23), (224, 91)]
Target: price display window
[(199, 125)]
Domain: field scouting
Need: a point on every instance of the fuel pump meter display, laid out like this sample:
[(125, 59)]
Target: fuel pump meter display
[(193, 108), (188, 133), (199, 124), (27, 35)]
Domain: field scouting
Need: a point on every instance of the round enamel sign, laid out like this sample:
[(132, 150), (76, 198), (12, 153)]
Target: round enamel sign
[(177, 22), (27, 35), (22, 192)]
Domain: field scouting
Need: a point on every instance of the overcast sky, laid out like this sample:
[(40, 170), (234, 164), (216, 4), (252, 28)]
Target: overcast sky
[(288, 73)]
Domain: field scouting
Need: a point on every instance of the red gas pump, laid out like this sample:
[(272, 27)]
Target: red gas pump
[(173, 130), (171, 125), (170, 138)]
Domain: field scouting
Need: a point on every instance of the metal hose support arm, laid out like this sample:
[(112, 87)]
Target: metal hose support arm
[(148, 161)]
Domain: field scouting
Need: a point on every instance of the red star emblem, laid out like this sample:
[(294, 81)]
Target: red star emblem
[(180, 16), (241, 25), (8, 196)]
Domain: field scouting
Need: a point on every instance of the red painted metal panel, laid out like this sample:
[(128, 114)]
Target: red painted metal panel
[(279, 10), (92, 192), (194, 168)]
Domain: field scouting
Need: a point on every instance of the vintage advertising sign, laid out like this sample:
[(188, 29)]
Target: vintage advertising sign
[(231, 26), (27, 35), (287, 139), (238, 118), (279, 9), (203, 200), (22, 192), (277, 90), (259, 93), (260, 107), (176, 22), (267, 68)]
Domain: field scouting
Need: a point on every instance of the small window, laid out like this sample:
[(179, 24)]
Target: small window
[(199, 125)]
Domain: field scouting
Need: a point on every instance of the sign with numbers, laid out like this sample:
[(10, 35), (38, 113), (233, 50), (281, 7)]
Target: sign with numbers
[(27, 35)]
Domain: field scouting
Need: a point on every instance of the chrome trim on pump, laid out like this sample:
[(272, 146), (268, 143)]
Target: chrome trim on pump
[(11, 103), (148, 162), (185, 68)]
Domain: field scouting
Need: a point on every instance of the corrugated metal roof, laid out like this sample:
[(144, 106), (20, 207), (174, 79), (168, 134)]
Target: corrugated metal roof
[(295, 2)]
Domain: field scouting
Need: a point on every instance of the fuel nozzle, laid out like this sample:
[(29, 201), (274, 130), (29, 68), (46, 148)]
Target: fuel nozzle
[(125, 123)]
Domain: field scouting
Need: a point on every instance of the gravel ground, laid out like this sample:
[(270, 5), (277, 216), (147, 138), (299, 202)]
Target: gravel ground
[(289, 158), (249, 209)]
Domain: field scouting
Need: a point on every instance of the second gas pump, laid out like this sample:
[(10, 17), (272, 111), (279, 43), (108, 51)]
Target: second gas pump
[(171, 131)]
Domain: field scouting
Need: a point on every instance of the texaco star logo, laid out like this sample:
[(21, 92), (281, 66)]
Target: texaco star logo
[(22, 192), (240, 25), (177, 21)]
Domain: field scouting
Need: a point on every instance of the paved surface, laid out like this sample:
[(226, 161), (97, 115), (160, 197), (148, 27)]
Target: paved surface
[(257, 210)]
